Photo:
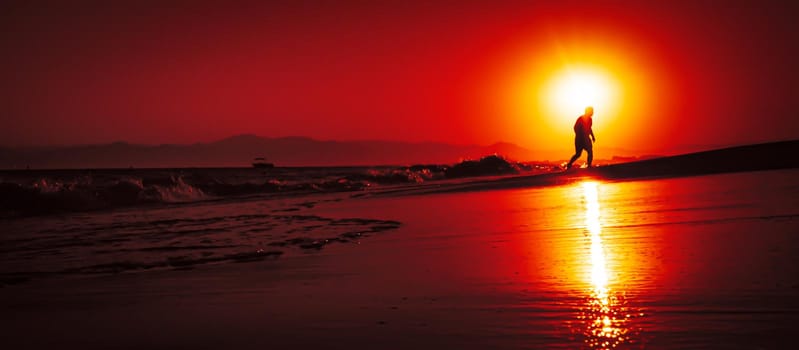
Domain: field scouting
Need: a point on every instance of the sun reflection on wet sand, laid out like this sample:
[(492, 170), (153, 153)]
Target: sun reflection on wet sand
[(605, 316)]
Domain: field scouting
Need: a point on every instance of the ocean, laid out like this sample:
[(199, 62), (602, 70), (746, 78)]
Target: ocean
[(688, 262), (34, 192), (66, 222)]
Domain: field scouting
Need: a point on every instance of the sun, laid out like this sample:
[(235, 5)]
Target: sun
[(572, 89), (546, 98), (538, 90)]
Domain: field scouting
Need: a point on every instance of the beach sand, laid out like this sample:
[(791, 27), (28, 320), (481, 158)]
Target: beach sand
[(693, 262)]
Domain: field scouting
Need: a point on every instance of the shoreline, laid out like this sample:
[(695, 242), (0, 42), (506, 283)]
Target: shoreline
[(473, 270), (750, 158)]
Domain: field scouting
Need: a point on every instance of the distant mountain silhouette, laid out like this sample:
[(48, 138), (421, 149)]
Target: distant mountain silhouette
[(238, 151)]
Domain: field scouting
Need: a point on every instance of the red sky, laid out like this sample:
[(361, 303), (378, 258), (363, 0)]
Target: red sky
[(92, 72)]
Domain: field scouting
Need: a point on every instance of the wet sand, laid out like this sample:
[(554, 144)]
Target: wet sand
[(694, 262)]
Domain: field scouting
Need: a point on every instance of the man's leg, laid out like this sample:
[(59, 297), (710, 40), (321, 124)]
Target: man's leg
[(590, 151), (578, 151)]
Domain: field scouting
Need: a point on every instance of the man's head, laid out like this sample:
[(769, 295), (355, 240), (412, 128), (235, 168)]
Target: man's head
[(589, 111)]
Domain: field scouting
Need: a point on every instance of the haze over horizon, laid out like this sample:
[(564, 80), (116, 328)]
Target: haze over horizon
[(629, 151), (240, 150), (681, 74)]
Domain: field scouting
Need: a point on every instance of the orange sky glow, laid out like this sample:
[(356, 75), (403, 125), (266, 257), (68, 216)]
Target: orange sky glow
[(548, 84), (663, 78)]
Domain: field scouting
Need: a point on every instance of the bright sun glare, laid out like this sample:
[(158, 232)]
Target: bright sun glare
[(544, 93), (570, 91)]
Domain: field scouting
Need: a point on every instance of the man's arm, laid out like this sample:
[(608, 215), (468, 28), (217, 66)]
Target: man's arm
[(592, 134)]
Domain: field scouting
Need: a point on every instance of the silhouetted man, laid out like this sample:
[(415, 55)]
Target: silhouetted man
[(583, 137)]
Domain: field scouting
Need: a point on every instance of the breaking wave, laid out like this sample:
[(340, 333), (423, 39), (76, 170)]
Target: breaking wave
[(51, 191), (47, 195)]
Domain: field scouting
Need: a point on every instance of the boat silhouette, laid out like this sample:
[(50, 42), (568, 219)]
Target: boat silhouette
[(261, 163)]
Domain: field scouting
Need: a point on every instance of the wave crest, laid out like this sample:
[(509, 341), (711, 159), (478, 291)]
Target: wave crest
[(44, 196), (42, 192)]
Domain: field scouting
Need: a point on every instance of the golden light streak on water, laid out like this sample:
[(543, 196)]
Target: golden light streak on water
[(599, 272), (605, 315)]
